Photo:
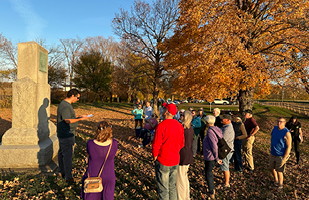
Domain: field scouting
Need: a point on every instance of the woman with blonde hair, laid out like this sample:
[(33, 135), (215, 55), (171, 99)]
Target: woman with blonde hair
[(101, 150), (186, 158)]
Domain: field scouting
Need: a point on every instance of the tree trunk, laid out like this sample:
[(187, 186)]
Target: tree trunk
[(117, 99), (155, 100), (111, 97), (245, 98)]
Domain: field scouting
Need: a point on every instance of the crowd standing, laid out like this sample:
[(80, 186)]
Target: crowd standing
[(175, 143)]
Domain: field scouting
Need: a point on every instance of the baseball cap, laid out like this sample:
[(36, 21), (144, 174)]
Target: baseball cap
[(201, 109), (248, 111), (171, 108), (226, 116)]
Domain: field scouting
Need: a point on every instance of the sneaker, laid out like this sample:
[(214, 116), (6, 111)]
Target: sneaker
[(280, 187), (226, 186), (140, 146)]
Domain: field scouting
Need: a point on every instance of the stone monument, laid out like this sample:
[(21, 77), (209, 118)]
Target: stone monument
[(32, 141)]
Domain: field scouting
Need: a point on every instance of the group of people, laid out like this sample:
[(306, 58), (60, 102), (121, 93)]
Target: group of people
[(176, 140)]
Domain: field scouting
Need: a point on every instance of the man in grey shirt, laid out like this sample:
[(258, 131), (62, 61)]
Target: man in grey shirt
[(228, 135), (66, 126)]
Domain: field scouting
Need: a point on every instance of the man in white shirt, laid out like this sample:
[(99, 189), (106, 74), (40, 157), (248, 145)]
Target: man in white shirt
[(148, 111)]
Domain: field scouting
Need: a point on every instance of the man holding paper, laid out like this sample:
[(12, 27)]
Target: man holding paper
[(66, 126)]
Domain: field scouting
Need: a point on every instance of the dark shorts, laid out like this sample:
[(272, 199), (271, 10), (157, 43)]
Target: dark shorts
[(277, 163), (139, 120)]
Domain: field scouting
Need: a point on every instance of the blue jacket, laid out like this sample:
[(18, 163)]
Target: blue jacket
[(138, 113)]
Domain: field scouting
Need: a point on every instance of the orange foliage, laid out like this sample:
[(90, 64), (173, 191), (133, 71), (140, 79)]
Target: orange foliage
[(223, 46)]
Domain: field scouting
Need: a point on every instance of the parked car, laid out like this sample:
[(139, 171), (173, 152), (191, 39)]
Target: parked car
[(220, 102), (176, 102), (233, 102)]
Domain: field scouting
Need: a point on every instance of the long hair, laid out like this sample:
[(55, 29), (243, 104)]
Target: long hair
[(187, 118), (291, 119), (103, 131)]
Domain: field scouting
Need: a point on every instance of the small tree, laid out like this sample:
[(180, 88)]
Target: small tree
[(93, 73)]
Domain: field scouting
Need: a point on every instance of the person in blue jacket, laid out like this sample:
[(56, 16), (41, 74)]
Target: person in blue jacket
[(138, 113)]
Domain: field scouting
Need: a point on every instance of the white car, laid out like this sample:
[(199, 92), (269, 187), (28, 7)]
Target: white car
[(220, 102)]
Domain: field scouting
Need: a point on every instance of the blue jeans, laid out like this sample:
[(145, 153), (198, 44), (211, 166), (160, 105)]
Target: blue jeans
[(237, 155), (65, 155), (166, 181), (209, 165), (146, 135)]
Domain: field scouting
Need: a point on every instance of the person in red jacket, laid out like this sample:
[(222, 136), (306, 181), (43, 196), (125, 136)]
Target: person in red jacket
[(168, 141)]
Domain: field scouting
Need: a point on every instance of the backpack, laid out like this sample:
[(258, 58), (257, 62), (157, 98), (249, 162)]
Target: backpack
[(223, 147)]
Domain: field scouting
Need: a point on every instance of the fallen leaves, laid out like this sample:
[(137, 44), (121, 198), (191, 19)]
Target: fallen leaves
[(135, 174)]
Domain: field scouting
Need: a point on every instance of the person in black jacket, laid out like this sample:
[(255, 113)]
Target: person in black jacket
[(297, 135)]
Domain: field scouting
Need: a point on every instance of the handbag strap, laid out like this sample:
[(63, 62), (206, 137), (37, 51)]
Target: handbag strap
[(110, 146), (217, 138), (216, 134)]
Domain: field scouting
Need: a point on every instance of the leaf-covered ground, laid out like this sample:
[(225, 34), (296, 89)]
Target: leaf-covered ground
[(135, 169)]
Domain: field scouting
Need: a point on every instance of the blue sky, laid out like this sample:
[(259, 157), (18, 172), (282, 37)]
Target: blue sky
[(26, 20)]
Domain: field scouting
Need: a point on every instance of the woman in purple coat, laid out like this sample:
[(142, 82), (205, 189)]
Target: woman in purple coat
[(97, 149), (210, 152)]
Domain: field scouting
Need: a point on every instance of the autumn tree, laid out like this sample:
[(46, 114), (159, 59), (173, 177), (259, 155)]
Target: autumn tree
[(110, 49), (71, 49), (143, 30), (8, 58), (232, 47), (93, 72), (128, 76)]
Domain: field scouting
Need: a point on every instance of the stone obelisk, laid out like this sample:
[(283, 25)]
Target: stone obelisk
[(32, 141)]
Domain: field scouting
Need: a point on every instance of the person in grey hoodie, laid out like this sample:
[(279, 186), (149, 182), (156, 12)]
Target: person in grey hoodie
[(210, 152), (229, 136)]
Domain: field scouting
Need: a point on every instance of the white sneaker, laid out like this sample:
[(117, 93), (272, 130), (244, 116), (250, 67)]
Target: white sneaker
[(140, 146)]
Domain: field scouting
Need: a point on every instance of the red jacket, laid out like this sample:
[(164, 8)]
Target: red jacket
[(168, 141)]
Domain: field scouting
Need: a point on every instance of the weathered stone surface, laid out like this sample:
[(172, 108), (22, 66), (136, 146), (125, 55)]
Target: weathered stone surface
[(28, 156), (32, 140)]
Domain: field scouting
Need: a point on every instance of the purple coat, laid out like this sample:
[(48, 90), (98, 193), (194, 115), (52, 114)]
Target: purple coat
[(210, 147)]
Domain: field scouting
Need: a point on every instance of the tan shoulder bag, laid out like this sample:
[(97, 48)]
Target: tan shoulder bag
[(94, 184)]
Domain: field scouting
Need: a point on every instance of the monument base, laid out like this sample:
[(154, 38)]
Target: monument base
[(30, 156)]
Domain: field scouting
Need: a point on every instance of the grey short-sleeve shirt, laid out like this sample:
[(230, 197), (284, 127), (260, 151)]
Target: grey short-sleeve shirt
[(65, 111)]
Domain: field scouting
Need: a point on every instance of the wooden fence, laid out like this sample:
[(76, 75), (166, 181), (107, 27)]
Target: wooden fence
[(301, 108)]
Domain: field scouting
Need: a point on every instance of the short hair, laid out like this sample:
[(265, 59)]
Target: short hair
[(182, 110), (210, 119), (103, 131), (217, 109), (281, 118), (164, 111), (187, 118), (72, 92)]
